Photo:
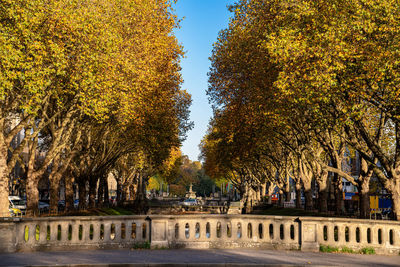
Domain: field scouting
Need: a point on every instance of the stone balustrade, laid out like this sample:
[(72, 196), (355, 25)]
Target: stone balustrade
[(383, 236), (67, 233), (197, 231), (225, 231)]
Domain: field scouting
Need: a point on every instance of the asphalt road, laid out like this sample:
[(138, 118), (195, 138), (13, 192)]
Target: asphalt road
[(185, 257)]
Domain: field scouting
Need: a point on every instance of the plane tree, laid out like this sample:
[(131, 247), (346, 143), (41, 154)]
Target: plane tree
[(73, 68)]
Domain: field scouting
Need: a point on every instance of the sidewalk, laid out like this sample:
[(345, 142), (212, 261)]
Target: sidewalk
[(185, 257)]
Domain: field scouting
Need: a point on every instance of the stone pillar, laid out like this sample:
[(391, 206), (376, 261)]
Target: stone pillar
[(159, 233), (118, 236), (43, 233), (309, 237), (75, 232), (8, 232)]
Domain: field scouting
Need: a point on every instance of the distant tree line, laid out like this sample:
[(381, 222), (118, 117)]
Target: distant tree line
[(179, 173)]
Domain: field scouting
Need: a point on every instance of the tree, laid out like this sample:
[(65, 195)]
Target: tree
[(72, 68), (321, 77)]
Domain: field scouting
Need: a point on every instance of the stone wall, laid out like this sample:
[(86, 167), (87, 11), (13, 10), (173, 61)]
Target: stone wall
[(197, 231)]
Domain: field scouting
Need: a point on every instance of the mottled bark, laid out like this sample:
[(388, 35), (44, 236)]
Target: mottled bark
[(246, 198), (32, 180), (69, 192), (288, 196), (298, 196), (323, 192), (258, 194), (323, 201), (363, 188), (281, 198), (132, 192), (54, 191), (396, 205), (100, 192), (364, 204), (306, 176), (82, 193), (106, 199), (119, 191), (92, 191), (339, 201), (4, 178), (308, 195), (32, 195), (393, 186), (263, 191), (140, 203), (269, 192)]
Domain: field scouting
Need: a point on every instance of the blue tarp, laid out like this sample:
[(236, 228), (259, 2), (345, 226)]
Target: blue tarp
[(385, 203), (348, 196)]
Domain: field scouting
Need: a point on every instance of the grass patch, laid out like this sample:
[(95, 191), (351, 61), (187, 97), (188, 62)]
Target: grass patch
[(328, 249), (368, 250), (141, 245), (117, 211), (347, 250)]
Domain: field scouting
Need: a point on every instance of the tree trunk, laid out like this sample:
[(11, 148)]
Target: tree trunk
[(269, 200), (263, 191), (396, 205), (338, 195), (270, 191), (92, 191), (308, 199), (125, 192), (100, 192), (106, 199), (82, 193), (140, 205), (364, 205), (298, 196), (394, 188), (306, 178), (323, 201), (54, 192), (364, 196), (363, 188), (4, 179), (308, 194), (69, 193), (281, 198), (258, 194), (32, 195), (288, 196), (323, 188), (132, 192), (119, 191)]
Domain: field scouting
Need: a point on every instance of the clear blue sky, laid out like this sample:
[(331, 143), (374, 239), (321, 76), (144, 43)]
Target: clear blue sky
[(199, 30)]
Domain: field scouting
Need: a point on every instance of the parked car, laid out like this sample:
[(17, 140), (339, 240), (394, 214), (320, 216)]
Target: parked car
[(18, 203), (14, 212), (190, 202), (43, 206)]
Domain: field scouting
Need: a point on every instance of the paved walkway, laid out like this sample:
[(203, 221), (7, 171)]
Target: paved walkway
[(185, 257)]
